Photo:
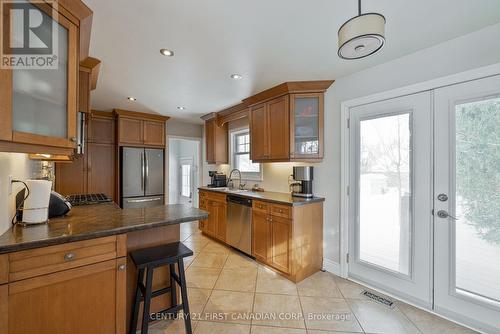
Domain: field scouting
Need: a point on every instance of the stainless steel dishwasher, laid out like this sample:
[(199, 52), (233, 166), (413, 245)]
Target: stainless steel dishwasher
[(239, 223)]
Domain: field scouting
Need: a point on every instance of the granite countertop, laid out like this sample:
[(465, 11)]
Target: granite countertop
[(269, 196), (95, 221)]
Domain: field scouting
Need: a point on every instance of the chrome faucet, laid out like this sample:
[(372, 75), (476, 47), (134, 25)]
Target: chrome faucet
[(241, 186)]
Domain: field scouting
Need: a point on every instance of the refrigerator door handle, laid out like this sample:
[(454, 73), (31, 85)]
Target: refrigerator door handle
[(142, 171), (143, 200), (146, 180)]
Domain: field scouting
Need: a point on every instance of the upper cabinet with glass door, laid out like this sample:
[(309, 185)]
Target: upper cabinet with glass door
[(286, 122), (39, 93), (306, 126)]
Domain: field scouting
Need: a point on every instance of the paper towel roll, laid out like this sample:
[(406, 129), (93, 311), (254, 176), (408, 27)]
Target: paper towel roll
[(36, 206)]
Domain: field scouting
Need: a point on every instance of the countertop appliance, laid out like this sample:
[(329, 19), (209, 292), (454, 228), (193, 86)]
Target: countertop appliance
[(303, 174), (217, 179), (58, 205), (239, 223), (142, 183)]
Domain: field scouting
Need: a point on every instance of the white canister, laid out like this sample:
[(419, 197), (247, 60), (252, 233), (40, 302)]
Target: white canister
[(36, 206)]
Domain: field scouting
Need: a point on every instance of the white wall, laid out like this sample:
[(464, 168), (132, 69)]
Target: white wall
[(183, 129), (464, 53), (20, 167)]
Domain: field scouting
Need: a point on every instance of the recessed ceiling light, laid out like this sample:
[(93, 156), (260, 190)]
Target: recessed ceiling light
[(181, 108), (236, 76), (167, 52), (131, 98)]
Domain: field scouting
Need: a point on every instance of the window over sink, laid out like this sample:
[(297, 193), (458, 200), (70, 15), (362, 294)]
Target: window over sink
[(240, 155)]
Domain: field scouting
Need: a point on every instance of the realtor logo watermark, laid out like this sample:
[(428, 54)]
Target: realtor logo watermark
[(29, 34)]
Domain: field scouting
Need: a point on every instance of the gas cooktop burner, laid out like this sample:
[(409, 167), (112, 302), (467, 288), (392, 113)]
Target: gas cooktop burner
[(87, 199)]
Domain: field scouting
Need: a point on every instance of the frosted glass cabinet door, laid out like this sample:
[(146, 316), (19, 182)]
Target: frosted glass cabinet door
[(40, 96), (306, 123)]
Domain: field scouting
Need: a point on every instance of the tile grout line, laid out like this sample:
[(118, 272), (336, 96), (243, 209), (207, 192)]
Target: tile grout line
[(301, 308), (411, 321), (354, 314), (254, 295)]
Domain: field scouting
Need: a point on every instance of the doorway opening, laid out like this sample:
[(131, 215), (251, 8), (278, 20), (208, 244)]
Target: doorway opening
[(184, 173)]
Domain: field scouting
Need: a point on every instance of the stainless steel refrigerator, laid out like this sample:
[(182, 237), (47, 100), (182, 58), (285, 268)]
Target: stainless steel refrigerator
[(142, 183)]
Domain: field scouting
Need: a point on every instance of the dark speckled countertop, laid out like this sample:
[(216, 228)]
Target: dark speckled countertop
[(95, 221), (269, 196)]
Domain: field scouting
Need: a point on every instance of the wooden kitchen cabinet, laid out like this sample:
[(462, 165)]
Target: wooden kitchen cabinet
[(261, 233), (221, 220), (101, 166), (286, 122), (280, 230), (140, 129), (288, 238), (80, 300), (270, 131), (71, 177), (45, 120), (259, 132), (271, 237), (94, 171), (215, 204), (154, 133), (49, 292), (216, 142), (130, 131)]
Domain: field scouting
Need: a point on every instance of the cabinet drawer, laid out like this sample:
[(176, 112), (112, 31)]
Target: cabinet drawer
[(41, 261), (203, 194), (260, 206), (281, 210), (217, 197)]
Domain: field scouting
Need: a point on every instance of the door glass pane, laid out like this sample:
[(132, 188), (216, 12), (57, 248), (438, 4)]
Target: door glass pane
[(477, 198), (186, 180), (39, 96), (385, 192), (306, 125)]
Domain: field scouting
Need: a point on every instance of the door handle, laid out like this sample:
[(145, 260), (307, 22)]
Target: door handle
[(146, 163), (444, 214), (142, 171)]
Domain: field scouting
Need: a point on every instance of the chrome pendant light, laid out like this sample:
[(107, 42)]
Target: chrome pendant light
[(362, 35)]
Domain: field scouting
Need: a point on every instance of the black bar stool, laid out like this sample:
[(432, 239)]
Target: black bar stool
[(147, 260)]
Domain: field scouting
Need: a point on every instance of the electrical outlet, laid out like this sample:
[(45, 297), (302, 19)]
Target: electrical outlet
[(10, 184)]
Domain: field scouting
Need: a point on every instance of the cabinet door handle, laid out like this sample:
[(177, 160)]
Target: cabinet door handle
[(69, 256), (122, 267)]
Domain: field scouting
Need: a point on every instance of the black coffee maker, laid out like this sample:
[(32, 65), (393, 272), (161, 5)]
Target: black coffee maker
[(217, 179), (304, 175)]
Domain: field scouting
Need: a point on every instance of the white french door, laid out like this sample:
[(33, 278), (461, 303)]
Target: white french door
[(186, 173), (467, 202), (390, 207), (424, 209)]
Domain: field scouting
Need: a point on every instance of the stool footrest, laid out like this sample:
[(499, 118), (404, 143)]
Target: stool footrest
[(161, 292)]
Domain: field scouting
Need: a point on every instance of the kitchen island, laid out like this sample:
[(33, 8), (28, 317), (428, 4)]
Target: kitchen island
[(73, 274)]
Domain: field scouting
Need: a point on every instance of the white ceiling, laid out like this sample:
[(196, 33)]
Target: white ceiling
[(267, 41)]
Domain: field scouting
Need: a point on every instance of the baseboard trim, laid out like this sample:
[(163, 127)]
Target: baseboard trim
[(332, 267)]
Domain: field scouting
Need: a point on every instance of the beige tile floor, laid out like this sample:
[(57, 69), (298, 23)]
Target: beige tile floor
[(226, 288)]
